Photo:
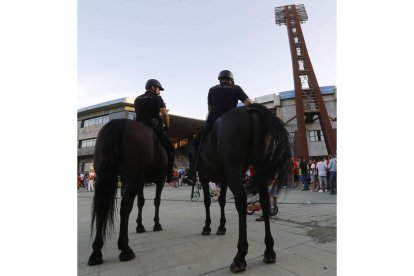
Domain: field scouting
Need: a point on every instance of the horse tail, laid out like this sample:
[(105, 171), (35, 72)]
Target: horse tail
[(275, 161), (107, 158)]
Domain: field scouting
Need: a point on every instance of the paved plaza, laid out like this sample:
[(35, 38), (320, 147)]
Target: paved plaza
[(304, 231)]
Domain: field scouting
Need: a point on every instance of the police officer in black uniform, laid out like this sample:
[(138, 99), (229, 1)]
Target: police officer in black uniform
[(148, 106), (221, 98)]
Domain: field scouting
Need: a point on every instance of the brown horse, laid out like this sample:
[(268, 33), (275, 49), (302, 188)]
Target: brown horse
[(241, 137), (131, 150)]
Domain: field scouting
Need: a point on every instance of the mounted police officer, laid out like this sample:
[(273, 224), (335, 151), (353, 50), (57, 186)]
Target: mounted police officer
[(221, 98), (148, 106)]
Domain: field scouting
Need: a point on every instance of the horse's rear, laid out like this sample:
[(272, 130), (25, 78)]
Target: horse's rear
[(142, 154), (227, 146), (241, 137), (131, 150)]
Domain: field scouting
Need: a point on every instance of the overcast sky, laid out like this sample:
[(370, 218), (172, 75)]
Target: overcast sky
[(185, 44)]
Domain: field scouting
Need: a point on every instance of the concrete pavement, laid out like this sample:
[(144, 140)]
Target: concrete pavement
[(304, 231)]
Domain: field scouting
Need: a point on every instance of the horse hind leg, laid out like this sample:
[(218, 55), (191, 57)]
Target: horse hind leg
[(127, 203), (207, 204), (235, 184), (140, 202), (269, 254), (222, 202), (157, 203), (101, 212), (96, 257)]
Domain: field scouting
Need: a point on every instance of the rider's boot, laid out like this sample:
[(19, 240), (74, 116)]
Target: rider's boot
[(194, 149), (170, 166), (191, 177)]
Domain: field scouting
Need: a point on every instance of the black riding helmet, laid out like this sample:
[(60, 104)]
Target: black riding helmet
[(225, 74), (153, 82)]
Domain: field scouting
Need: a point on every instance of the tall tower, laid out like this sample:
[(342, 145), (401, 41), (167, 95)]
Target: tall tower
[(308, 98)]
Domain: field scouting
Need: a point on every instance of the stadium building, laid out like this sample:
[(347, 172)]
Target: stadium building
[(182, 129), (283, 105)]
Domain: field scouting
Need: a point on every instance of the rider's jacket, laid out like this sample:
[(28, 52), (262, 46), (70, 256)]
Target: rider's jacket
[(147, 107), (222, 98)]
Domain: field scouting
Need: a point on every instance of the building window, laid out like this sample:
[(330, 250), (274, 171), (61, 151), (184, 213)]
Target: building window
[(87, 143), (96, 121), (316, 136), (131, 115)]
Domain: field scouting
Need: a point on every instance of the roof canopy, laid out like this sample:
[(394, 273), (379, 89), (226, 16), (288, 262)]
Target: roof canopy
[(183, 127)]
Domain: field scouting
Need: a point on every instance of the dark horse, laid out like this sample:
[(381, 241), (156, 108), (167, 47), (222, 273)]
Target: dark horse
[(131, 150), (244, 136)]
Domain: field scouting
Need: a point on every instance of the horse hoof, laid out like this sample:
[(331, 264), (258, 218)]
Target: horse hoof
[(206, 232), (126, 255), (269, 258), (221, 231), (95, 258), (157, 227), (236, 269), (140, 229)]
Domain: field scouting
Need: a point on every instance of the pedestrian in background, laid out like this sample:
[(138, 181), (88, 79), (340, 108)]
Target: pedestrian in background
[(181, 173), (304, 173), (322, 174), (213, 189), (82, 177), (313, 175), (86, 180), (91, 180), (79, 181), (332, 175), (296, 182), (175, 177), (328, 158)]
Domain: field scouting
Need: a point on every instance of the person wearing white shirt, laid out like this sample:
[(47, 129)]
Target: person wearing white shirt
[(313, 174), (322, 173)]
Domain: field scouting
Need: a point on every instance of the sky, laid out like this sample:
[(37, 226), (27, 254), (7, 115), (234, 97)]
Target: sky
[(185, 44)]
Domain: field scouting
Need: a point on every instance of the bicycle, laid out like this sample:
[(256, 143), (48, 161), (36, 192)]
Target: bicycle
[(254, 205), (196, 192), (253, 202)]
